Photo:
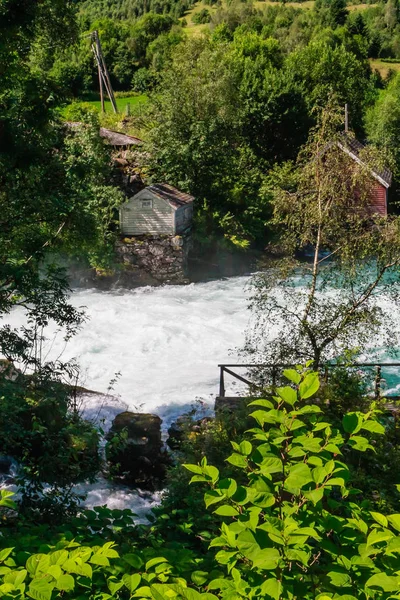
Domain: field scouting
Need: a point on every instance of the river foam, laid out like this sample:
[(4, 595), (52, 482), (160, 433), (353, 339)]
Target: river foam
[(166, 343)]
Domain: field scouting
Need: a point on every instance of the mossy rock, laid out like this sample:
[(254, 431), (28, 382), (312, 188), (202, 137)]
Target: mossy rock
[(135, 451)]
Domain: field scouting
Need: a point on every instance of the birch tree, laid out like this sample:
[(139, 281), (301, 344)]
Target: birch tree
[(337, 284)]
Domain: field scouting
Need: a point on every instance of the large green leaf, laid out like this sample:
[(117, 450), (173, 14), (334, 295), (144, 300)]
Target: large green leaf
[(352, 422), (264, 403), (5, 553), (339, 578), (384, 582), (155, 561), (237, 460), (40, 589), (133, 560), (266, 559), (272, 587), (309, 386), (131, 581), (38, 563), (114, 585), (373, 427), (224, 557), (212, 497), (314, 495), (379, 535), (381, 519), (66, 583), (245, 448), (99, 559), (226, 511), (394, 520), (360, 443), (299, 475), (228, 486), (199, 577), (292, 375), (271, 464), (287, 394), (58, 557)]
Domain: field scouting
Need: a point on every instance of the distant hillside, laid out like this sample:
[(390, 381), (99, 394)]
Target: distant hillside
[(131, 9)]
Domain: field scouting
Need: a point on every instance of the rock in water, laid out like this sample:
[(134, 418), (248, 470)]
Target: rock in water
[(5, 464), (135, 452)]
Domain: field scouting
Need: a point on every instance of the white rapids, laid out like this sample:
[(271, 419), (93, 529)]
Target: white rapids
[(166, 344)]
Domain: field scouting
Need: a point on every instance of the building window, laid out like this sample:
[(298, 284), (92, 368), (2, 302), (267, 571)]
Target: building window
[(188, 212), (147, 203)]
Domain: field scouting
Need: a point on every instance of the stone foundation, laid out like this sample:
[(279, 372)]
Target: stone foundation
[(163, 257)]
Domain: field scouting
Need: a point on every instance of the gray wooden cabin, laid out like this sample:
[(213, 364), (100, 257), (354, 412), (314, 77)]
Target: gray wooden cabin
[(158, 209)]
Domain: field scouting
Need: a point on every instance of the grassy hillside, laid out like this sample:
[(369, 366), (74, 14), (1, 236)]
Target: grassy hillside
[(196, 29), (384, 67)]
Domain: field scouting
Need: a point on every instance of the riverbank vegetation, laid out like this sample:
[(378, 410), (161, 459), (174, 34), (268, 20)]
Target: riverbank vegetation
[(284, 520), (323, 206), (246, 117)]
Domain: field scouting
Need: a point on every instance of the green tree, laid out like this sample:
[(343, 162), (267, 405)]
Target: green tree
[(338, 12), (223, 114), (332, 12), (383, 123), (324, 67), (53, 198), (321, 308)]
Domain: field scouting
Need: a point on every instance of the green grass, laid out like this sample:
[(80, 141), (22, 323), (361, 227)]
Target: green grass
[(384, 67), (193, 29), (134, 102)]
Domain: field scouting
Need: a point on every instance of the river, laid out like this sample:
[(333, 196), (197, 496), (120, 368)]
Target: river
[(165, 343)]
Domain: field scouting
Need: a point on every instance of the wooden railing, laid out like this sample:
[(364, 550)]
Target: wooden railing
[(276, 369)]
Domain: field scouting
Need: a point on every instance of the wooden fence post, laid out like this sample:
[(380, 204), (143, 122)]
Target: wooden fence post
[(378, 382), (221, 383), (274, 373)]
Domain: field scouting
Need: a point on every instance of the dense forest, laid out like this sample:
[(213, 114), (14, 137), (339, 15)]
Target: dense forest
[(294, 495), (260, 69)]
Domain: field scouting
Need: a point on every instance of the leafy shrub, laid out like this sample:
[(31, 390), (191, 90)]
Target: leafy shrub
[(202, 17), (178, 516), (81, 112), (54, 446), (293, 531), (143, 80)]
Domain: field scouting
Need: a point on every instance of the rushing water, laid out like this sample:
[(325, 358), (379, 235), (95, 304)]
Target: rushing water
[(165, 342)]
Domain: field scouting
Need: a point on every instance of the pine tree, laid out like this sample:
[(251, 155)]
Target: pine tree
[(338, 12)]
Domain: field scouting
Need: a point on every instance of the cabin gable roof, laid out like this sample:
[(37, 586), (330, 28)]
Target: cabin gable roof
[(175, 198), (353, 148)]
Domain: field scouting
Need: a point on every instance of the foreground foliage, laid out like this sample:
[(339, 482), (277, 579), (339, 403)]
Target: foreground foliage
[(295, 529)]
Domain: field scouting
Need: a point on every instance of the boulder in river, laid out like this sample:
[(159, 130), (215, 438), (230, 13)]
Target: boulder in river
[(5, 464), (135, 451)]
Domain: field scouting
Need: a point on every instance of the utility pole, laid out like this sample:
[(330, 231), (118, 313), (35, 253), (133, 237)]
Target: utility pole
[(97, 53), (104, 78)]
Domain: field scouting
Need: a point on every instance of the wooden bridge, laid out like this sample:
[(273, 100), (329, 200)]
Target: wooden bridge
[(268, 375)]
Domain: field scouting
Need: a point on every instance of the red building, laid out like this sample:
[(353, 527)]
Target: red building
[(382, 179)]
